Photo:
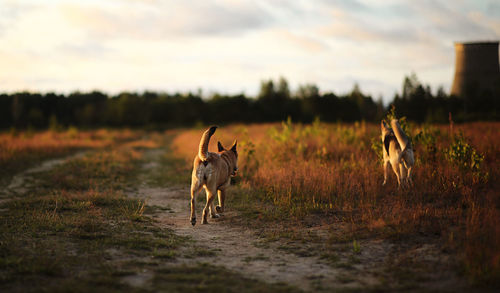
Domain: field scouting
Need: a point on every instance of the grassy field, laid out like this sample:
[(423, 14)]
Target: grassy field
[(330, 176), (91, 222), (22, 149), (76, 228)]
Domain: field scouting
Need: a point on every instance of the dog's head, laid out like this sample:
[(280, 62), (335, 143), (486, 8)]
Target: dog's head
[(386, 129), (387, 132), (231, 154)]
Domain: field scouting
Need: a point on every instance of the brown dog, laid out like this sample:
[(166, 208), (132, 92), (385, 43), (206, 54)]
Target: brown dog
[(213, 171), (397, 151)]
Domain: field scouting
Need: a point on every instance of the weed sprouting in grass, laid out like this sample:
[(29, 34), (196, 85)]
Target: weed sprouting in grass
[(137, 213), (356, 248), (427, 139), (464, 155)]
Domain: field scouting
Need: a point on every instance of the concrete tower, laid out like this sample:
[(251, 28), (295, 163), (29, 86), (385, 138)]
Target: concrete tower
[(476, 68)]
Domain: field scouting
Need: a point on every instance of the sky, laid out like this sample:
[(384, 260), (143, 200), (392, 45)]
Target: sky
[(230, 46)]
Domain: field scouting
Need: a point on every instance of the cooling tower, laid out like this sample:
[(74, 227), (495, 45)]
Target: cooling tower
[(476, 68)]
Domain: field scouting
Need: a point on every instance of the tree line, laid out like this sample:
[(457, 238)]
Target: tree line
[(274, 102)]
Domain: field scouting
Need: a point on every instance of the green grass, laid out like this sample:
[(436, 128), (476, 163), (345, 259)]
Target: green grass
[(61, 235), (66, 232), (173, 170), (79, 232), (101, 170)]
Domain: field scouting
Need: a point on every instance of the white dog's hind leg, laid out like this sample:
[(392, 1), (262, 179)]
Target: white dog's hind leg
[(402, 171), (409, 161), (386, 168), (409, 176), (395, 168)]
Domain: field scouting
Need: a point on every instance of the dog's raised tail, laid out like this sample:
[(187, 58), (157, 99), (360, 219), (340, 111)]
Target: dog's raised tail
[(402, 138), (205, 139)]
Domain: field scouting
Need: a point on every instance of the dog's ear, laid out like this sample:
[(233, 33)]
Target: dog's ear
[(220, 148), (233, 148)]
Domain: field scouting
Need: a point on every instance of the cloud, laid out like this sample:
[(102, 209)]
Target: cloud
[(350, 27), (10, 12), (85, 49), (228, 45), (453, 22), (209, 17), (156, 20), (303, 42)]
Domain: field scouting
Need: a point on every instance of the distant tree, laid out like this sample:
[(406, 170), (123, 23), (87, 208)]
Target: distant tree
[(307, 91), (308, 94), (410, 84), (282, 90), (273, 102), (266, 89), (366, 107), (6, 111)]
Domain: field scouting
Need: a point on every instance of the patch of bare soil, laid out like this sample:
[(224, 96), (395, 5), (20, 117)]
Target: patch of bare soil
[(240, 249)]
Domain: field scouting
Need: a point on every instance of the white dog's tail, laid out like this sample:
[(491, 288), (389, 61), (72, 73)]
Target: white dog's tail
[(402, 138), (205, 139)]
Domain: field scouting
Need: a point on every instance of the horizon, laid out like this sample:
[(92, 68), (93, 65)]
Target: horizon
[(229, 47)]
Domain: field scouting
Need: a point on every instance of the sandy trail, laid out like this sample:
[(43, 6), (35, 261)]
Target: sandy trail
[(240, 249), (235, 247)]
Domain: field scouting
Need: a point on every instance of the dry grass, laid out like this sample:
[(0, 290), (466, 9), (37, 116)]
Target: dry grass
[(19, 150), (78, 229), (64, 233), (334, 171)]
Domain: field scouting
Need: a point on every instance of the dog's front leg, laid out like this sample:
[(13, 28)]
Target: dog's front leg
[(222, 196)]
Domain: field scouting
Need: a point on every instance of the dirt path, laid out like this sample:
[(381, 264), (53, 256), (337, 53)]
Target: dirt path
[(419, 265), (240, 249), (237, 248)]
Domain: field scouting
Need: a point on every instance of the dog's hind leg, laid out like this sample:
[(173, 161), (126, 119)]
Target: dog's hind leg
[(208, 206), (409, 162), (402, 172), (410, 182), (386, 168), (222, 196), (395, 168), (212, 209), (195, 188)]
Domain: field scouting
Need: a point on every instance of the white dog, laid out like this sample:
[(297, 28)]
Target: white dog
[(398, 151)]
